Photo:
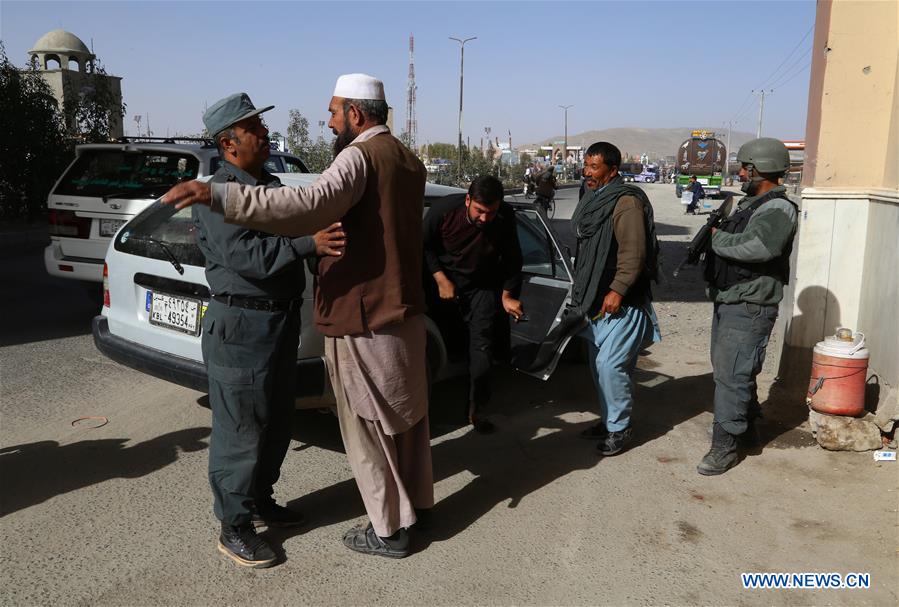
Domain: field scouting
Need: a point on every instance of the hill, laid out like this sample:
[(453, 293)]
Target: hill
[(635, 141)]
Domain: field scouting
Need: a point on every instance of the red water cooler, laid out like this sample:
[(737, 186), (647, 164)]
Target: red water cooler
[(839, 371)]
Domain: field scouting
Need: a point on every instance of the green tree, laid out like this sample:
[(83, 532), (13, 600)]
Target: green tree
[(446, 151), (33, 144), (316, 154)]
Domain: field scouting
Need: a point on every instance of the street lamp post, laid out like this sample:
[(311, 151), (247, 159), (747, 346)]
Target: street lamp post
[(461, 80), (565, 145)]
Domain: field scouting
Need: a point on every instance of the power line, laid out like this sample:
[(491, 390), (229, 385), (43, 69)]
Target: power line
[(745, 112), (792, 66), (740, 109), (787, 58), (787, 78), (743, 108)]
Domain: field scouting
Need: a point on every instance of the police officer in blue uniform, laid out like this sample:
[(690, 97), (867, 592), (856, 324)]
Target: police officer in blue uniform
[(250, 337)]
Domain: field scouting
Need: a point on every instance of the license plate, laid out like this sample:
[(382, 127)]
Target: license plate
[(108, 227), (173, 312)]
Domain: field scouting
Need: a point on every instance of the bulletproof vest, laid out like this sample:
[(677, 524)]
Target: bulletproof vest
[(724, 273)]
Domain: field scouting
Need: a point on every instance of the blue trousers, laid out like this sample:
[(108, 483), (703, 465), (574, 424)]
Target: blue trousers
[(613, 343)]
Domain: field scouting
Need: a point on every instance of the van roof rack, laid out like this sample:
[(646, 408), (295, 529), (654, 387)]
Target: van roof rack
[(206, 142)]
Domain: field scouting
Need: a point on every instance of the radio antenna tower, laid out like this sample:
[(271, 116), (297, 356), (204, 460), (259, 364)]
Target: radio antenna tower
[(411, 122)]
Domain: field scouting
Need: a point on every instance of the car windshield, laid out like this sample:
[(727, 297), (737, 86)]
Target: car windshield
[(126, 174), (161, 232)]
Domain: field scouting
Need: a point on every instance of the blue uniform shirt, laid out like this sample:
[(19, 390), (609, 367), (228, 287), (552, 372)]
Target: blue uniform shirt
[(249, 263)]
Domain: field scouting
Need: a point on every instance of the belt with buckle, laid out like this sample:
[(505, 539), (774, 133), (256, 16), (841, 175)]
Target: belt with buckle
[(258, 303)]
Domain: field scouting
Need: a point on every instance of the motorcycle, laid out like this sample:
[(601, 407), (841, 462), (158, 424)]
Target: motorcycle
[(529, 188)]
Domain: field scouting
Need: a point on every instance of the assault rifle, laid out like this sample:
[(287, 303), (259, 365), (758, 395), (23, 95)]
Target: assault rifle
[(700, 244)]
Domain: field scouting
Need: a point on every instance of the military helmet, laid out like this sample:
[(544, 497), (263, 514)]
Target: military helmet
[(766, 154)]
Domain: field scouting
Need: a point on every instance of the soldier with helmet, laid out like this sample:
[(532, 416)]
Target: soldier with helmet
[(747, 267)]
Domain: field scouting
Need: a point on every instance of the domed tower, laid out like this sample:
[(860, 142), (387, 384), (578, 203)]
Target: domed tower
[(66, 64)]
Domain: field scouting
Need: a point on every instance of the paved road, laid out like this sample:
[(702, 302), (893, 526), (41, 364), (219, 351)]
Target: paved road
[(121, 514)]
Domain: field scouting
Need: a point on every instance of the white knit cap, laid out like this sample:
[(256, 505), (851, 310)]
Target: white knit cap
[(359, 86)]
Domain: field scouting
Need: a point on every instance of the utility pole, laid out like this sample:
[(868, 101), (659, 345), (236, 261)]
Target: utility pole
[(761, 94), (411, 120), (726, 171), (461, 82), (565, 145)]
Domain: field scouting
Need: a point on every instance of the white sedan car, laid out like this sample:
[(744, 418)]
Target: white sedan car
[(155, 293)]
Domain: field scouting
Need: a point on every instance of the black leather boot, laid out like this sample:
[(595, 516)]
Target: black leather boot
[(723, 454), (244, 547)]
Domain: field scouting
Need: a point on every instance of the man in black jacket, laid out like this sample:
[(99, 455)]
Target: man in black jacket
[(250, 336), (472, 251)]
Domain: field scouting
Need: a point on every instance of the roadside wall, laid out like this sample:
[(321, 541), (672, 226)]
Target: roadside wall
[(847, 263)]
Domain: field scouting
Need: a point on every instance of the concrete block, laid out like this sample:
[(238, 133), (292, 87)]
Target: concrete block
[(839, 433)]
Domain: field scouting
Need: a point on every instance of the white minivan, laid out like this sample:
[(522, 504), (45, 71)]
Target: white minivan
[(109, 183)]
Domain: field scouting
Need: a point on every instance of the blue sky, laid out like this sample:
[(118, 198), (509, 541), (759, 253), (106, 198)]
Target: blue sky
[(622, 64)]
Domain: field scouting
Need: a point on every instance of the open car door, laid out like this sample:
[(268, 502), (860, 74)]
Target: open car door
[(538, 342)]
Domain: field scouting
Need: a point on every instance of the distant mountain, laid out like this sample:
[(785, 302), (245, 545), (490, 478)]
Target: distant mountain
[(635, 141)]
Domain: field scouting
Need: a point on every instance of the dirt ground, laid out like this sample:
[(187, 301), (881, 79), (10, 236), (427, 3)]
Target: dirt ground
[(121, 514)]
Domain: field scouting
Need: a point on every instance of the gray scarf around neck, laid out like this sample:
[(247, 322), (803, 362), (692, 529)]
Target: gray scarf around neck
[(592, 224)]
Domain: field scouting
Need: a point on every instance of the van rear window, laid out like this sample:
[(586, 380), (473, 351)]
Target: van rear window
[(122, 174), (161, 232)]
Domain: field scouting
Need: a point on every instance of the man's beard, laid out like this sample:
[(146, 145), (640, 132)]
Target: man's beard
[(750, 188), (343, 139), (478, 225)]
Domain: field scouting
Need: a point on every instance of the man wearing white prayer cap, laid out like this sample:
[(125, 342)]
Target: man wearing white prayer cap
[(369, 302)]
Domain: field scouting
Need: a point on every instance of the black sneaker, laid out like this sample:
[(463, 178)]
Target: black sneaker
[(244, 547), (273, 515), (615, 442), (597, 431), (366, 541)]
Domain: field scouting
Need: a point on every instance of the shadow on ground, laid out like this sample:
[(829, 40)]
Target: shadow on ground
[(35, 472), (536, 444), (36, 306)]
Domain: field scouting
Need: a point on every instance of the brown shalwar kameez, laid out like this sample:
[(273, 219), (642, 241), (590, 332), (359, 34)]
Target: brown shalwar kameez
[(382, 402)]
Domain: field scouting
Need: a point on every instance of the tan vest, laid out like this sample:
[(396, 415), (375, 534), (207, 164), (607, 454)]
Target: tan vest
[(378, 280)]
